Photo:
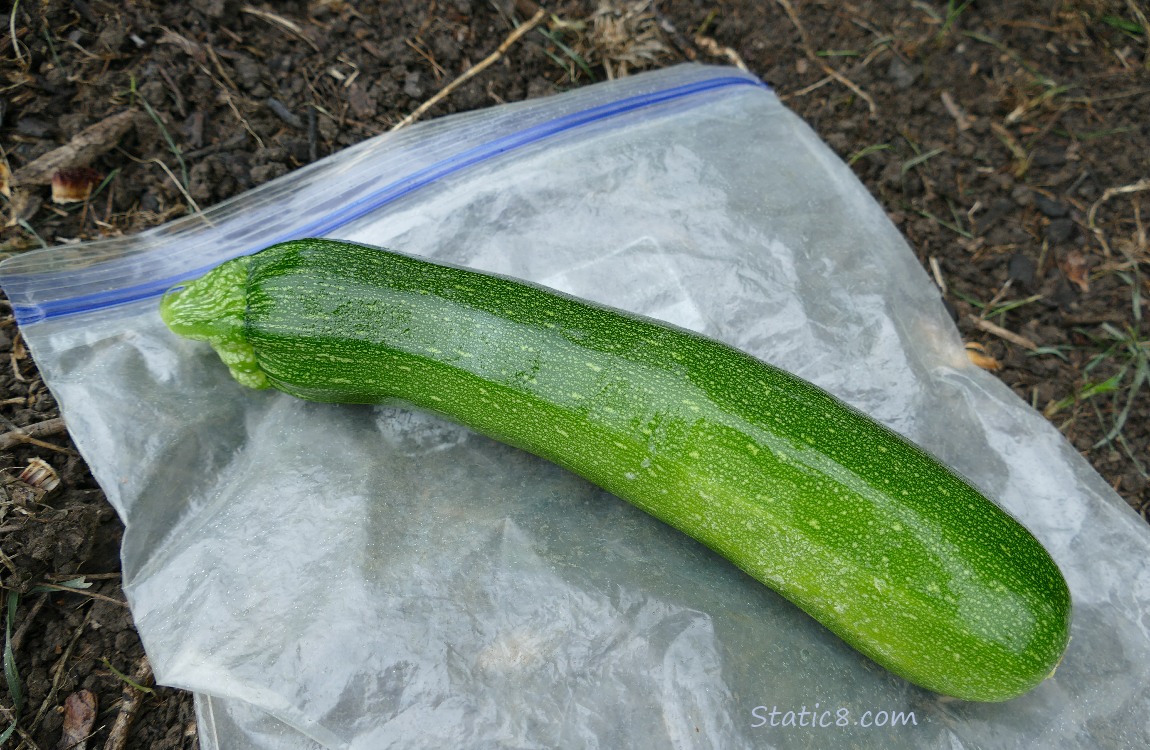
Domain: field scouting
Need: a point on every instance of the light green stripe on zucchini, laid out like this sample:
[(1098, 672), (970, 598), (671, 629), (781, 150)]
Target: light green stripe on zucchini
[(866, 532)]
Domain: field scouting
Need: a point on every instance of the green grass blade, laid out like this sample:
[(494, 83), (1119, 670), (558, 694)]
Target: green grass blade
[(126, 679), (11, 675)]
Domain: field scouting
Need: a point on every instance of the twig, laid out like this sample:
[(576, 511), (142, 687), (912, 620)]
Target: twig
[(810, 51), (422, 52), (12, 31), (81, 150), (474, 70), (1141, 16), (714, 49), (1143, 184), (936, 269), (18, 353), (81, 592), (130, 702), (51, 697), (806, 41), (50, 446), (86, 576), (39, 430), (280, 21), (179, 186), (985, 325), (183, 190), (29, 618), (852, 86), (997, 297), (808, 89)]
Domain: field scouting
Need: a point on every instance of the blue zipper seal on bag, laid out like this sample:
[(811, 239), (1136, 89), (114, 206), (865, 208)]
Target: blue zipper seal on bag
[(34, 313)]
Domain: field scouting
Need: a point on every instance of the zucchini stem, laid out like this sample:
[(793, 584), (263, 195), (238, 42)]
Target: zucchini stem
[(211, 309)]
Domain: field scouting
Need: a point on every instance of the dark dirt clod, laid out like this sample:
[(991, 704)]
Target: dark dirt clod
[(1004, 142)]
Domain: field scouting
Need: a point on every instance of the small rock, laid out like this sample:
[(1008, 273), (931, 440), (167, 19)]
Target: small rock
[(286, 115), (112, 38), (539, 87), (363, 104), (1052, 208), (446, 50), (902, 74), (154, 92), (1022, 195), (411, 85), (33, 127), (210, 8), (266, 172), (1049, 158), (72, 123), (999, 208), (1060, 230), (1064, 295), (247, 72), (1021, 269), (202, 181), (838, 141)]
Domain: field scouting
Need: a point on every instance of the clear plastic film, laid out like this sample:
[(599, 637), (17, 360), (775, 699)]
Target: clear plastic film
[(363, 577)]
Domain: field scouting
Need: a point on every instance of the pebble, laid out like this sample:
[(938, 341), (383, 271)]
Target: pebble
[(33, 127), (1060, 230), (902, 74), (1021, 269), (1022, 195), (1050, 207), (411, 85)]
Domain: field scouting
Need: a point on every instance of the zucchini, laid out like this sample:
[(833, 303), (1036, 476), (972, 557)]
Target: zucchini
[(866, 532)]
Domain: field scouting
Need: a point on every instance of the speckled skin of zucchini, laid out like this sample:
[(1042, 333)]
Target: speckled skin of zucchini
[(867, 533)]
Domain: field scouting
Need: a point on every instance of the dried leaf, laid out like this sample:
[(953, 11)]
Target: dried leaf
[(79, 718), (88, 144), (1076, 269), (978, 356)]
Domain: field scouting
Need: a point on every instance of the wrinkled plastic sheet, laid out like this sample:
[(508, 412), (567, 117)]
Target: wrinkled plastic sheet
[(358, 577)]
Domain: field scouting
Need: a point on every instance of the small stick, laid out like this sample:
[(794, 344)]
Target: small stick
[(280, 21), (1143, 184), (130, 701), (474, 70), (39, 430), (936, 269), (1002, 333), (90, 143), (997, 297), (714, 49), (810, 50), (29, 618), (82, 592), (59, 667)]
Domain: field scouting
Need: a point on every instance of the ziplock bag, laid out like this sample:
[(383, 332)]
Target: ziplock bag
[(365, 577)]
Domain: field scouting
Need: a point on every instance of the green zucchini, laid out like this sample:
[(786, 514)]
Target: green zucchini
[(867, 533)]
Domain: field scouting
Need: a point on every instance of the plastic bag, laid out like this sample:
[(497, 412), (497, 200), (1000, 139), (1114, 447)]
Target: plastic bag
[(357, 577)]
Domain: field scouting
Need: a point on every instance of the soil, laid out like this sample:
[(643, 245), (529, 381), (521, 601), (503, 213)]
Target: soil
[(1009, 141)]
